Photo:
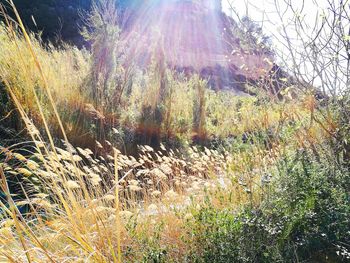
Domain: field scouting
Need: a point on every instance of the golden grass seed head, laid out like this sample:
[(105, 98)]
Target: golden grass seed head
[(72, 184), (156, 193), (32, 165), (19, 157), (159, 174), (133, 182), (171, 194), (24, 171), (148, 148), (142, 173), (152, 207), (135, 188), (166, 169), (109, 197), (126, 214)]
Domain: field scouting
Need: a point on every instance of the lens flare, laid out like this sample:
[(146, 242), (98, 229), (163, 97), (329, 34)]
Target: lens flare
[(189, 32), (191, 35)]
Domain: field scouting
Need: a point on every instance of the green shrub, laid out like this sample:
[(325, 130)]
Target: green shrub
[(305, 218)]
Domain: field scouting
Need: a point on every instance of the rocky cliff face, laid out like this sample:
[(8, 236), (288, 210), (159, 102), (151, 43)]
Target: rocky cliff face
[(195, 37)]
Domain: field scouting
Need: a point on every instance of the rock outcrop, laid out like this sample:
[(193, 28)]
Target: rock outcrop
[(194, 37)]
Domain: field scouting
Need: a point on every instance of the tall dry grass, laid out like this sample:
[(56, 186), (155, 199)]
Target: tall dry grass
[(188, 112), (117, 208)]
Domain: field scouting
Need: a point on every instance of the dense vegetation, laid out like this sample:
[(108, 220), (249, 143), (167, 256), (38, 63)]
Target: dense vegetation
[(116, 163), (58, 20)]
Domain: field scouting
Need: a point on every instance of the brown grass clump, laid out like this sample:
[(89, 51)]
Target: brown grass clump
[(76, 205)]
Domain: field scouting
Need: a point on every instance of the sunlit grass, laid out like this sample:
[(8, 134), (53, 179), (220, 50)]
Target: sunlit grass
[(114, 207)]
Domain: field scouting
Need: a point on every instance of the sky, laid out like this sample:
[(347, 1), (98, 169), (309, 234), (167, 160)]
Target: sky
[(260, 10), (265, 13)]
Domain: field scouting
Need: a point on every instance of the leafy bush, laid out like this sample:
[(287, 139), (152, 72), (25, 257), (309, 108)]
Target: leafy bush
[(305, 217)]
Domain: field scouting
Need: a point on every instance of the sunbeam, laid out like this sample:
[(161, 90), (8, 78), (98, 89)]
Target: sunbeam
[(188, 31), (174, 131), (192, 36)]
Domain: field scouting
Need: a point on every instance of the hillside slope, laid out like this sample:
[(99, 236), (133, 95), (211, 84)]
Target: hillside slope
[(196, 37)]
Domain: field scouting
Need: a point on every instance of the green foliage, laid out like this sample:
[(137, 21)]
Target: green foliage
[(305, 218), (199, 109), (250, 36), (254, 38), (341, 140)]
